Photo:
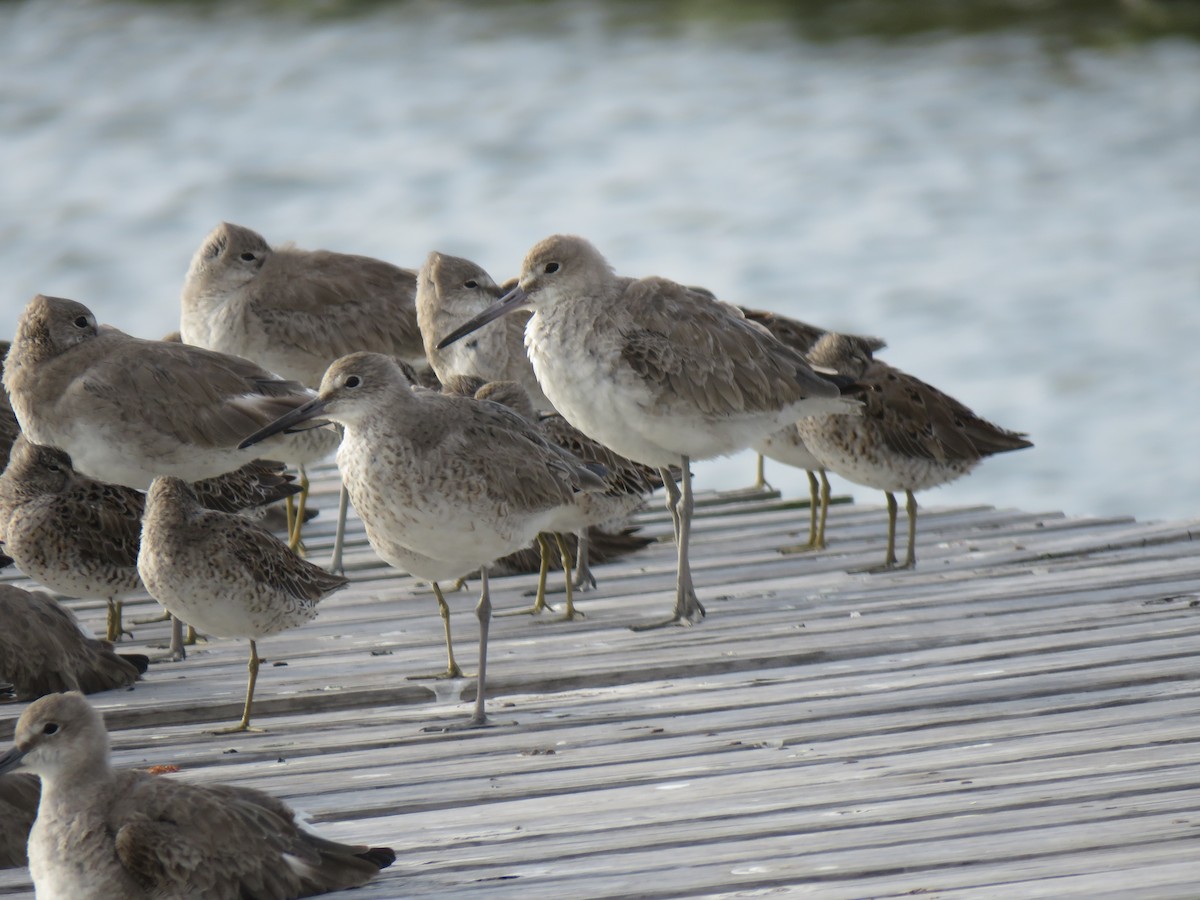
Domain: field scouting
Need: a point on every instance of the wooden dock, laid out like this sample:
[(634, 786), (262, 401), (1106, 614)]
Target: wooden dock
[(1018, 717)]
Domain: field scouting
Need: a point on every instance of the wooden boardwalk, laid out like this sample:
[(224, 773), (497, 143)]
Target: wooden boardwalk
[(1018, 717)]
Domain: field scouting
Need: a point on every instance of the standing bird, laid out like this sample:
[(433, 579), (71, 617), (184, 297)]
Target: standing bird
[(295, 311), (79, 536), (224, 574), (43, 650), (104, 833), (909, 437), (444, 484), (786, 445), (9, 428), (128, 409), (658, 372)]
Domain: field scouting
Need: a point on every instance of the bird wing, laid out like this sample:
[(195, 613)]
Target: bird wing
[(177, 839), (272, 562), (684, 344)]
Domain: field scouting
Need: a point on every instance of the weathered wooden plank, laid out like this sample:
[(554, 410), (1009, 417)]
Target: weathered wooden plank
[(1016, 717)]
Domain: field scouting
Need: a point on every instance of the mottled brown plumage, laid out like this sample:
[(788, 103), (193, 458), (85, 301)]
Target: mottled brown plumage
[(910, 436), (44, 651), (103, 833), (225, 575), (19, 795), (79, 536)]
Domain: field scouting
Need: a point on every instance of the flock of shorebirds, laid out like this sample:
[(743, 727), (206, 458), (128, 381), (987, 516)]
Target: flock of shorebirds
[(471, 420)]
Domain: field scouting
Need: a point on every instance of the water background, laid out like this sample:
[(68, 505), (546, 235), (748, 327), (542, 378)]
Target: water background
[(1016, 212)]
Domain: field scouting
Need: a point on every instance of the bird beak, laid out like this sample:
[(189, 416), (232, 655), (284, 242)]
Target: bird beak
[(11, 760), (514, 299), (310, 410)]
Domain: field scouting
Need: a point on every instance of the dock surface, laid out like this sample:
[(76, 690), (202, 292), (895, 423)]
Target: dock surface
[(1018, 717)]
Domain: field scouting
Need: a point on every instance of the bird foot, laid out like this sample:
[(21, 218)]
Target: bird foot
[(534, 610), (684, 617), (447, 675), (239, 728), (452, 727), (151, 620)]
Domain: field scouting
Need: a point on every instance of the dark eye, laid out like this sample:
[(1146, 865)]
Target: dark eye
[(49, 728), (81, 322), (550, 268), (248, 257), (353, 381), (471, 283)]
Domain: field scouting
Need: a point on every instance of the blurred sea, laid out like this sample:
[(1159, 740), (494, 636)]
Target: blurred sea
[(1018, 216)]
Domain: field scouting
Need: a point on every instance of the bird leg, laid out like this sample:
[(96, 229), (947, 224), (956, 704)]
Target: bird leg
[(584, 579), (539, 604), (164, 616), (176, 651), (113, 627), (910, 558), (244, 724), (889, 561), (452, 669), (339, 536), (296, 524), (568, 565), (483, 612), (824, 508), (816, 534), (688, 609)]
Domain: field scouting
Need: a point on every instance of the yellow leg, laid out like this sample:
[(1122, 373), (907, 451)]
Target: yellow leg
[(244, 724)]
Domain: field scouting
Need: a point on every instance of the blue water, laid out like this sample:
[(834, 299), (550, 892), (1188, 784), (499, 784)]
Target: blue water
[(1020, 224)]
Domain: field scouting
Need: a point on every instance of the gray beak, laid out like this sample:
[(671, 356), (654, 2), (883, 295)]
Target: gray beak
[(11, 760), (310, 410), (514, 299)]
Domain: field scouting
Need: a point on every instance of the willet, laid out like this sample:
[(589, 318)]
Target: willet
[(79, 536), (224, 574), (910, 436), (444, 484), (659, 372), (19, 794), (128, 409), (105, 833), (295, 311), (43, 650), (450, 292), (626, 485)]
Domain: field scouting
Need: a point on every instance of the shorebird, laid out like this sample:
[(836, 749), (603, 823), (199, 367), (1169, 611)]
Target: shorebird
[(659, 372), (44, 651), (128, 409), (786, 445), (909, 436), (19, 794), (444, 484), (295, 311), (104, 833), (626, 485), (224, 574), (450, 292), (79, 536)]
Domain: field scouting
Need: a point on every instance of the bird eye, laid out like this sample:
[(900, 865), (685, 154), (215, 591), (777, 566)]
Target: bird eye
[(247, 256), (81, 322), (49, 728), (550, 268), (471, 283), (353, 381)]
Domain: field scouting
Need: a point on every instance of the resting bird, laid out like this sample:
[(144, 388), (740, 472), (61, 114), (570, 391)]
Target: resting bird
[(103, 833)]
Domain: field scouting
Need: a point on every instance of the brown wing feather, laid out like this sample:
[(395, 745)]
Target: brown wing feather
[(686, 344)]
